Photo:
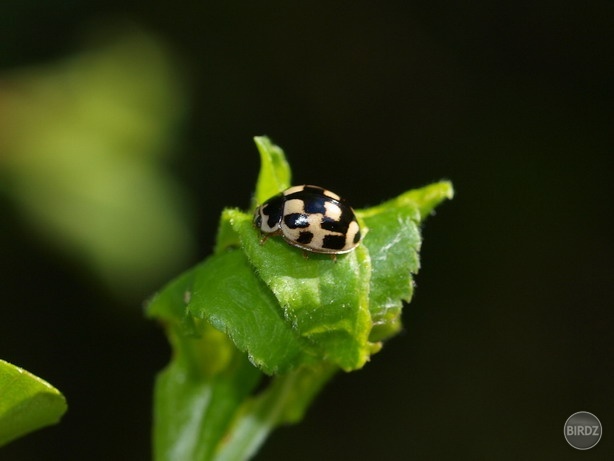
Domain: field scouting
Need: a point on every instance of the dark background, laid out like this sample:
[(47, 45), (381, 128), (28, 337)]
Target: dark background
[(510, 330)]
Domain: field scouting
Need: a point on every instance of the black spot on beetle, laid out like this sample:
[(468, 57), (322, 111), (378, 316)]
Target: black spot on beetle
[(296, 220), (357, 237), (334, 242), (313, 190), (313, 199), (273, 209), (330, 224), (304, 237), (315, 205)]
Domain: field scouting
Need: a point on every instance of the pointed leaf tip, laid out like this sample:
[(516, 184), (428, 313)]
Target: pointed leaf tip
[(275, 174), (27, 403)]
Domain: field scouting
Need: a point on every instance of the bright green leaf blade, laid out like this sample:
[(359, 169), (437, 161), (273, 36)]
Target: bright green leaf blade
[(275, 174), (393, 241), (203, 407), (298, 316), (226, 235), (228, 294), (325, 301), (199, 392), (424, 199), (169, 304), (27, 403)]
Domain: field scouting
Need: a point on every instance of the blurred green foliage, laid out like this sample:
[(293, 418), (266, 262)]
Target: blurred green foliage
[(84, 151)]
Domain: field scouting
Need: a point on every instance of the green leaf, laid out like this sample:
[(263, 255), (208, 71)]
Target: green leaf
[(193, 411), (27, 403), (203, 386), (275, 172), (325, 301), (394, 242), (230, 297), (259, 306), (424, 199)]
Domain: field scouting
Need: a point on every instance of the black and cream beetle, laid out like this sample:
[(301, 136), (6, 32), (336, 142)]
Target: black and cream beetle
[(311, 218)]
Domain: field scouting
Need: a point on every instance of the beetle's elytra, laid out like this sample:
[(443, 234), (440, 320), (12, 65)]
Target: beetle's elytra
[(312, 218)]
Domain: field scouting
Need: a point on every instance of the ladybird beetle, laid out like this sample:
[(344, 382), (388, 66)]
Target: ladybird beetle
[(311, 218)]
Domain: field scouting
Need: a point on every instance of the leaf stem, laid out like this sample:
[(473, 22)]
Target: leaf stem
[(284, 401)]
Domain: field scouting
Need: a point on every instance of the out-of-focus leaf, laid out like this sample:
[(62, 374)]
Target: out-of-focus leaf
[(82, 147)]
